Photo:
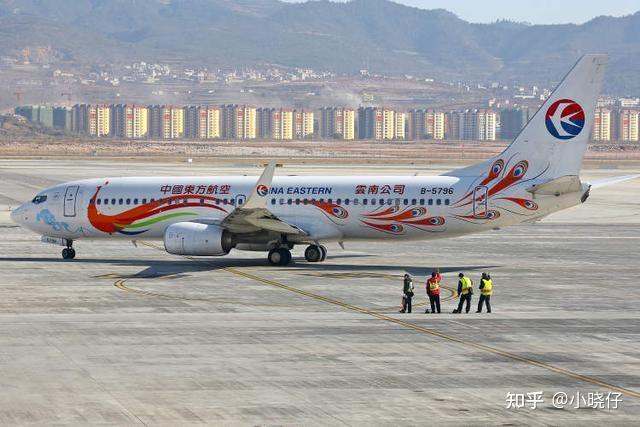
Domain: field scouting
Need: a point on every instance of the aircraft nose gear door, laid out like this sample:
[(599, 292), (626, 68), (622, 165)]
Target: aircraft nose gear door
[(480, 202), (70, 200)]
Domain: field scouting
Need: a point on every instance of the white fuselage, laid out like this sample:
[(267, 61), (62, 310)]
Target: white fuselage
[(338, 208)]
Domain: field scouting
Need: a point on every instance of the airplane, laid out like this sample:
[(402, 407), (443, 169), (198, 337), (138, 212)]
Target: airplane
[(536, 175)]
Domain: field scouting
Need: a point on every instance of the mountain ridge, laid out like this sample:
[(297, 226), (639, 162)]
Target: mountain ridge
[(379, 35)]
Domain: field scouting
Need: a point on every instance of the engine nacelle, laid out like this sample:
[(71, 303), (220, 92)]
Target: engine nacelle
[(190, 238)]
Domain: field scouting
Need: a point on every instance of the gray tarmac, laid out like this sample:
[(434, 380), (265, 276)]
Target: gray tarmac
[(127, 335)]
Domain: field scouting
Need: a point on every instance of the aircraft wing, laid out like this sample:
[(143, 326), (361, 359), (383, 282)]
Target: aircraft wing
[(254, 215)]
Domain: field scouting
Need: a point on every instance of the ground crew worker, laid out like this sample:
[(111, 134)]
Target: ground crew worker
[(433, 291), (407, 294), (438, 275), (486, 289), (465, 290)]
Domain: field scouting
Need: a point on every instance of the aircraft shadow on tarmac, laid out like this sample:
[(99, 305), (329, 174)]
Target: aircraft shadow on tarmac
[(160, 268)]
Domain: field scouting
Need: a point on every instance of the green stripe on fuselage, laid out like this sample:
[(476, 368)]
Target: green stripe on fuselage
[(158, 219)]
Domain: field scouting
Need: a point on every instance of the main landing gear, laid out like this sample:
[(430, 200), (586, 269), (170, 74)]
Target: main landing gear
[(279, 256), (69, 252), (282, 255), (315, 253)]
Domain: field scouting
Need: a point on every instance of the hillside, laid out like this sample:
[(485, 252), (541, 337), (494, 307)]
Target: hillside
[(378, 35)]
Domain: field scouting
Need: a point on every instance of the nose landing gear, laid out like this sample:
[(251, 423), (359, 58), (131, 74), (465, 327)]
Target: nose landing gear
[(69, 252)]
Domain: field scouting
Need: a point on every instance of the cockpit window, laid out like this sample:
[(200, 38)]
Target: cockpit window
[(39, 199)]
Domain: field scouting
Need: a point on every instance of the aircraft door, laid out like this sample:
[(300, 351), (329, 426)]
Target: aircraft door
[(70, 197), (480, 201), (240, 200)]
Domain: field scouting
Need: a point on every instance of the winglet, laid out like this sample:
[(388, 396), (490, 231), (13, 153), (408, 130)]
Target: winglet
[(258, 199)]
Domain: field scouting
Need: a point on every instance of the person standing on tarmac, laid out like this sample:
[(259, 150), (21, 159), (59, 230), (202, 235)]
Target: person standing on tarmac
[(407, 294), (433, 291), (465, 290), (486, 289)]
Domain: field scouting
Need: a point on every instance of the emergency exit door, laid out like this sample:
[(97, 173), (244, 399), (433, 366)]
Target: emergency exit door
[(70, 196), (480, 202)]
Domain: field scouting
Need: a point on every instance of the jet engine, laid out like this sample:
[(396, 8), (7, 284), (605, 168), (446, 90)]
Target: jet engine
[(191, 238)]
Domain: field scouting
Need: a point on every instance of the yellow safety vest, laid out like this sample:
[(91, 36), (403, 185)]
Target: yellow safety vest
[(466, 285), (486, 289)]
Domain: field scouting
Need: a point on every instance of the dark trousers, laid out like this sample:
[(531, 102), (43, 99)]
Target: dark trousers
[(407, 303), (464, 298), (435, 303), (487, 300)]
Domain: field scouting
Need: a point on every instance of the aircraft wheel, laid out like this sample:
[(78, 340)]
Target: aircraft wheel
[(324, 253), (68, 253), (281, 256), (286, 256), (313, 253)]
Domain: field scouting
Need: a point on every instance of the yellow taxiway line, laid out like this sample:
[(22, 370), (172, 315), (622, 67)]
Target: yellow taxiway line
[(439, 334), (422, 329)]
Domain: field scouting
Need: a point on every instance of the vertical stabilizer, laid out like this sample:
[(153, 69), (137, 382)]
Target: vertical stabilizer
[(553, 143)]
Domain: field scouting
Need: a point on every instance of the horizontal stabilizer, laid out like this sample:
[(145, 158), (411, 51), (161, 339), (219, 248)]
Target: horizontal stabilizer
[(613, 180), (557, 187)]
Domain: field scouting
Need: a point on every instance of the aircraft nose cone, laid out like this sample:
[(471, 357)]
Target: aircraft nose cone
[(16, 215)]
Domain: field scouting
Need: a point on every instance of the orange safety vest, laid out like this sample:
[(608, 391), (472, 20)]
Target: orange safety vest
[(434, 286)]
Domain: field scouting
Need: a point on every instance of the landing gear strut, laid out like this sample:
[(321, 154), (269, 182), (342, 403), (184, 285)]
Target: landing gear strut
[(279, 256), (315, 253), (69, 252)]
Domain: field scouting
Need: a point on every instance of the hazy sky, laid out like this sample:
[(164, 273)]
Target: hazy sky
[(534, 11)]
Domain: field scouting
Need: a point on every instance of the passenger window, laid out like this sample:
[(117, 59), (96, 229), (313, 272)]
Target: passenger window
[(438, 202)]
